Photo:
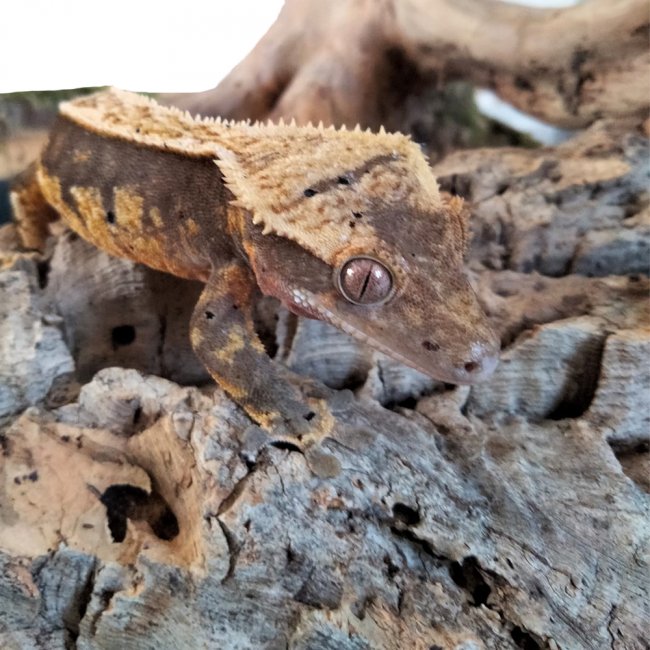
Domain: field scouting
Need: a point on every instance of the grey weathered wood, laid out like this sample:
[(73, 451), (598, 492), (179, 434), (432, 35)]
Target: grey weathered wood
[(512, 514)]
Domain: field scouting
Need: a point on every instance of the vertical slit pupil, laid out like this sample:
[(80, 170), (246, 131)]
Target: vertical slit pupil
[(365, 284)]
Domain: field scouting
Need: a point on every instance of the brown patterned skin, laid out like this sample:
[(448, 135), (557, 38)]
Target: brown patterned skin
[(283, 209)]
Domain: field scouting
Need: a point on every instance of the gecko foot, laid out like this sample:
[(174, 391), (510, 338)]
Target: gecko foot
[(305, 426)]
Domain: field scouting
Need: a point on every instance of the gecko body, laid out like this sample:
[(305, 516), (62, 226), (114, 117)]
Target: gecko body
[(344, 226)]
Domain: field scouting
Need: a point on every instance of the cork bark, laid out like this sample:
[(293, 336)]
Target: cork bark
[(140, 507)]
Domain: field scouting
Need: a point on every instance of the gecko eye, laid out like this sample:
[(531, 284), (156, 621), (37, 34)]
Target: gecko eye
[(365, 281)]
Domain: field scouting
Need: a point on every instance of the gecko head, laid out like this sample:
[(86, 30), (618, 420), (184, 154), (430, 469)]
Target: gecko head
[(406, 294), (434, 326), (350, 228)]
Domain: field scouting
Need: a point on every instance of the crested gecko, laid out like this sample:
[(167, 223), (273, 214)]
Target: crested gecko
[(345, 226)]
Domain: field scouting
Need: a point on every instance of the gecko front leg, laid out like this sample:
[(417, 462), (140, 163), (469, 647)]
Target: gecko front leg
[(223, 336), (32, 213)]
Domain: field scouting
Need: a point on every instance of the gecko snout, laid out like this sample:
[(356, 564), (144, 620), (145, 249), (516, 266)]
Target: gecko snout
[(478, 365)]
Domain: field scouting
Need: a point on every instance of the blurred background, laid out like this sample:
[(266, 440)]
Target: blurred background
[(52, 51)]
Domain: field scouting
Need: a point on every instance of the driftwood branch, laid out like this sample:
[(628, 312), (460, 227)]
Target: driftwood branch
[(357, 60)]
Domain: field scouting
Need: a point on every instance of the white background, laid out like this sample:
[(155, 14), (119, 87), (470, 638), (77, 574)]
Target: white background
[(163, 46), (147, 45)]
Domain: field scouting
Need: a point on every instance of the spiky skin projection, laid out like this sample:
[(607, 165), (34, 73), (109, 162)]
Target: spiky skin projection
[(277, 207)]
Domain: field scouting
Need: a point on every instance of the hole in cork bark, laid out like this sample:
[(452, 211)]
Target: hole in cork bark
[(523, 639), (468, 576), (634, 457), (406, 514), (43, 270), (457, 185), (409, 403), (122, 335), (124, 501), (580, 388)]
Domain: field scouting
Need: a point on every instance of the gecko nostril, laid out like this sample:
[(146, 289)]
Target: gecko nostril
[(431, 346), (471, 366)]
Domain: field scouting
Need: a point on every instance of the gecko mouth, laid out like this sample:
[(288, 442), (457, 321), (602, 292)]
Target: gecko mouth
[(308, 304)]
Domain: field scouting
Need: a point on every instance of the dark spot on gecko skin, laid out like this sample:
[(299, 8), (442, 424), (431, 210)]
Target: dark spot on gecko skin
[(122, 335), (286, 446), (110, 216), (431, 346), (357, 215), (351, 224), (309, 192)]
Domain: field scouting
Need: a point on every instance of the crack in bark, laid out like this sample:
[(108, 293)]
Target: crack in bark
[(234, 548), (476, 587), (81, 601), (236, 491), (162, 333), (610, 622), (105, 597)]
